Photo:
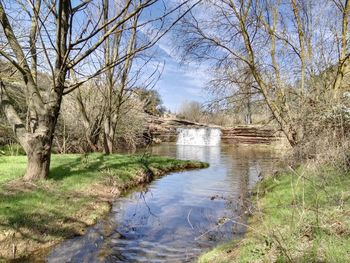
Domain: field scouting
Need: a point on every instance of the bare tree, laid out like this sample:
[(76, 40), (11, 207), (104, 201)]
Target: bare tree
[(118, 84), (116, 80), (91, 97), (192, 111), (233, 87), (276, 42), (62, 36), (344, 54)]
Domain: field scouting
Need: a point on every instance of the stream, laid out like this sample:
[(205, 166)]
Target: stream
[(179, 216)]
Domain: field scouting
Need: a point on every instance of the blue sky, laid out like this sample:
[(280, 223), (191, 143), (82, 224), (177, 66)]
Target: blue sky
[(180, 83)]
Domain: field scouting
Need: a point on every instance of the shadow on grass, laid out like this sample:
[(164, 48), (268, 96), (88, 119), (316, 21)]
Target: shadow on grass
[(87, 165), (38, 209), (37, 226), (84, 164), (79, 165), (31, 222)]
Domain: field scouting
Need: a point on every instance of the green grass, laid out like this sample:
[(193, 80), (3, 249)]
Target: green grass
[(35, 215), (301, 216)]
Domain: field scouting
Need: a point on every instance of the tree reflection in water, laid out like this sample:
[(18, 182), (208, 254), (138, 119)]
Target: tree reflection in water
[(176, 217)]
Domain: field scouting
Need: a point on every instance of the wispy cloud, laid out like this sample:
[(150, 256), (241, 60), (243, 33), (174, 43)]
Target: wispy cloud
[(179, 82)]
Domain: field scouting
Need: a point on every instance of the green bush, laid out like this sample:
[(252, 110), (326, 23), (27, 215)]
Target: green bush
[(12, 149)]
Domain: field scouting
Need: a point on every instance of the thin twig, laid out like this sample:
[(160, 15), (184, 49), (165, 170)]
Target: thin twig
[(188, 218)]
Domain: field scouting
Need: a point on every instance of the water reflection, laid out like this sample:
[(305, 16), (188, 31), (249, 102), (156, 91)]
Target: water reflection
[(178, 216)]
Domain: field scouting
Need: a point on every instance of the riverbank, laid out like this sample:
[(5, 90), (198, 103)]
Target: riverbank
[(35, 216), (300, 215)]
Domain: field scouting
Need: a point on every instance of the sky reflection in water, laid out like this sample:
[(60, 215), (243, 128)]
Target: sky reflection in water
[(176, 217)]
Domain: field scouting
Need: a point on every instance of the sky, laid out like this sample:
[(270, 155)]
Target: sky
[(180, 83)]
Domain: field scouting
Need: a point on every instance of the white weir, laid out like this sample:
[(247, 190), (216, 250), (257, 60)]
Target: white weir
[(198, 136)]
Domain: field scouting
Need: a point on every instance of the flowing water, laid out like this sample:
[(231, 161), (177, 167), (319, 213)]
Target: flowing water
[(179, 216), (199, 136)]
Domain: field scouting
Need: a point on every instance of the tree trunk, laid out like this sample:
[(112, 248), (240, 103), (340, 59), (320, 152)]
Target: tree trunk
[(93, 134), (92, 142), (108, 143), (108, 137), (36, 139), (248, 117), (343, 64), (39, 146), (38, 164)]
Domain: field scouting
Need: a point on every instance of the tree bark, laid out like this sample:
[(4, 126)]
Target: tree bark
[(92, 137), (37, 142), (248, 117), (108, 138), (38, 156), (92, 127), (301, 45), (344, 57)]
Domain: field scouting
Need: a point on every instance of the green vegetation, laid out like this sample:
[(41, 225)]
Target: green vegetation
[(301, 216), (12, 149), (77, 192)]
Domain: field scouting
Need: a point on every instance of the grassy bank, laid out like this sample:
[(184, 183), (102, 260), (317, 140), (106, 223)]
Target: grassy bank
[(300, 216), (37, 215)]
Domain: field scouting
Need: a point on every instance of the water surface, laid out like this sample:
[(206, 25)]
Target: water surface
[(179, 216)]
